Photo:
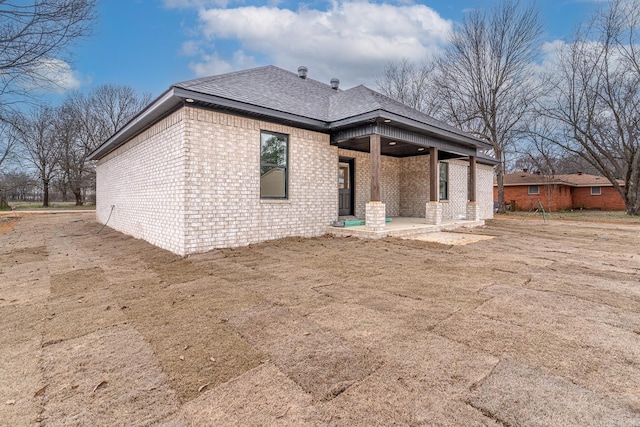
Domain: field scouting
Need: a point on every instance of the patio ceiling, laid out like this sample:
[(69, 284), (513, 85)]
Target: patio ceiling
[(394, 148)]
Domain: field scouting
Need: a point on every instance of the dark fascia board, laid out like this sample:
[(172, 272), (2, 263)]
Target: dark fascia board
[(486, 159), (381, 115), (411, 137)]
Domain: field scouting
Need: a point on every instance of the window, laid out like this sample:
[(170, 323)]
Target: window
[(274, 153), (534, 189), (596, 191), (343, 176), (444, 181), (468, 183)]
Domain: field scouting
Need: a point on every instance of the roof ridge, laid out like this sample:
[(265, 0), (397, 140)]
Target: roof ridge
[(188, 83)]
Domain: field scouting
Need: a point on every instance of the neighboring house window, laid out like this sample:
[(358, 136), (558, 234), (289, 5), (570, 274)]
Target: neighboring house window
[(444, 181), (274, 153), (596, 191), (534, 189)]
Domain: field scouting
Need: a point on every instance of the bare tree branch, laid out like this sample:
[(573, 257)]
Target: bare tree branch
[(484, 80), (36, 136), (35, 37), (84, 122), (596, 104), (408, 83)]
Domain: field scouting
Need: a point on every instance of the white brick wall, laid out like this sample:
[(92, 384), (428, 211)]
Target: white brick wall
[(223, 204), (456, 207), (144, 181), (484, 190), (191, 183)]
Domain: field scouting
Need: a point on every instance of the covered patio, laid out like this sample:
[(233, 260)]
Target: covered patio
[(427, 180)]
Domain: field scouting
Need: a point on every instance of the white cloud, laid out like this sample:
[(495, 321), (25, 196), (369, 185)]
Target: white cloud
[(549, 54), (191, 48), (351, 40), (51, 75), (210, 65), (214, 64)]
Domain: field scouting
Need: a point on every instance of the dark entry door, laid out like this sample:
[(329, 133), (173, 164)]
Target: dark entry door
[(345, 188)]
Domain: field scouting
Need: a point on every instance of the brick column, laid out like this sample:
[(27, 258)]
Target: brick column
[(434, 207), (473, 211), (434, 213), (375, 213)]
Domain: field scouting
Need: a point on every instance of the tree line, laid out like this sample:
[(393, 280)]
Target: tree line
[(51, 143), (581, 109), (55, 142)]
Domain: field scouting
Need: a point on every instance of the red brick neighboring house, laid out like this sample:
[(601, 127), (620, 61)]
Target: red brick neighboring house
[(559, 192)]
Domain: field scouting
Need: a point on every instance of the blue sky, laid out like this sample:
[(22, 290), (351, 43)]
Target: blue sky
[(150, 44)]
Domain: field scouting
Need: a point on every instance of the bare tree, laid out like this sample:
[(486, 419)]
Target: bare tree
[(7, 142), (86, 121), (34, 40), (17, 185), (595, 109), (535, 152), (71, 153), (408, 83), (38, 141), (483, 82), (105, 110), (7, 149)]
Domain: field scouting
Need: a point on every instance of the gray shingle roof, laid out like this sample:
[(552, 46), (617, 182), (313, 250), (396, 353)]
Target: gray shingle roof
[(574, 180), (269, 87), (282, 90), (361, 99), (275, 93)]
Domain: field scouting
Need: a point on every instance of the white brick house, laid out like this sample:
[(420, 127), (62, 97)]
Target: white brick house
[(264, 153)]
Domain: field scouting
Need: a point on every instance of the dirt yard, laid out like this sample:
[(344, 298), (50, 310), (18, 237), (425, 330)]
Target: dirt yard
[(537, 326)]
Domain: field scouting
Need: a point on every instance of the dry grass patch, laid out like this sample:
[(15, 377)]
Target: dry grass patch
[(515, 394), (538, 325), (109, 377)]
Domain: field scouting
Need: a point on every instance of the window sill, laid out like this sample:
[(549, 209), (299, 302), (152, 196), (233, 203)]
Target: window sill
[(275, 201)]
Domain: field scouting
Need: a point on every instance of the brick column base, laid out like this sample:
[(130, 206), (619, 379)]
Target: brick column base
[(434, 213), (473, 211), (375, 213)]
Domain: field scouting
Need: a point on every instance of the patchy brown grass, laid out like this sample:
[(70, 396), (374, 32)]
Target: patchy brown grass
[(539, 325), (613, 217), (7, 224)]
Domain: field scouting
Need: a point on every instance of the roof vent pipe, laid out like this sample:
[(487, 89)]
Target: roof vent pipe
[(335, 84), (302, 72)]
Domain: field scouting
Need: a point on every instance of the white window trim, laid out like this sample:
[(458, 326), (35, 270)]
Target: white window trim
[(529, 189), (599, 193)]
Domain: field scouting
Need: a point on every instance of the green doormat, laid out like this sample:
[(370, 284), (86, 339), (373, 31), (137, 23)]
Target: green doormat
[(354, 222)]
